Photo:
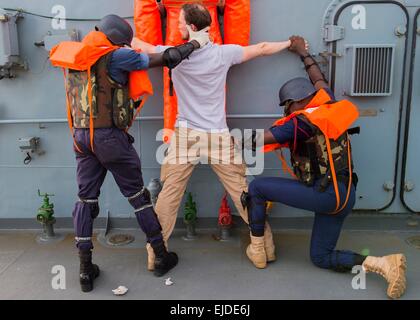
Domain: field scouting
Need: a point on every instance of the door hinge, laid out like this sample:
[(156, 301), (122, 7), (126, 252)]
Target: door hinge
[(333, 33)]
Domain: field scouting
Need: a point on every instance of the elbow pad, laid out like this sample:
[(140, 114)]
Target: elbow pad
[(175, 55)]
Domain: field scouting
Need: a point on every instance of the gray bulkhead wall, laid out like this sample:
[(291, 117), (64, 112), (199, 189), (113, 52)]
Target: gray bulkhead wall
[(252, 90)]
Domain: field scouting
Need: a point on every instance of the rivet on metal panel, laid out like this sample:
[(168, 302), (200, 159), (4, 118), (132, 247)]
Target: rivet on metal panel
[(409, 186), (389, 186), (400, 31)]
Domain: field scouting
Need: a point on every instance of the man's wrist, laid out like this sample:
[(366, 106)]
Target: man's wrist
[(303, 54)]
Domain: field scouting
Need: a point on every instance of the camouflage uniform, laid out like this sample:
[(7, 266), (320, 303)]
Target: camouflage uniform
[(112, 105), (310, 159)]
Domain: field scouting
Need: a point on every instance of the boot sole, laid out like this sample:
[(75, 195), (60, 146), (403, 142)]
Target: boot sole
[(160, 273), (397, 288), (259, 265), (271, 257), (87, 287)]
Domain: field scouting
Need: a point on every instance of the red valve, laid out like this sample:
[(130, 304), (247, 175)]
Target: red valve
[(225, 215)]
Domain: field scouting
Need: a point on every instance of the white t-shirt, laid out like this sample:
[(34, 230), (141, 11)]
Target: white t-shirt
[(200, 82)]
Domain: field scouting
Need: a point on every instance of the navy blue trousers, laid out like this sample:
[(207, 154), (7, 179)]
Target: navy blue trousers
[(114, 152), (326, 228)]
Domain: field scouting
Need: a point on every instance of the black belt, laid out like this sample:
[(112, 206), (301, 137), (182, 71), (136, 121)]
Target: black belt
[(341, 178)]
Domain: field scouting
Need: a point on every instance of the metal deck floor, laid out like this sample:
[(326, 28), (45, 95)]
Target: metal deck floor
[(208, 269)]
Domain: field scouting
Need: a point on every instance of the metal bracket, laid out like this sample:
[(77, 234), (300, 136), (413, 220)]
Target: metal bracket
[(327, 54), (388, 186), (409, 186), (333, 33)]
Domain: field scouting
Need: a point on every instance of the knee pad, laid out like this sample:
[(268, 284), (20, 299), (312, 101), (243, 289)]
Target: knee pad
[(141, 198), (93, 206), (84, 243)]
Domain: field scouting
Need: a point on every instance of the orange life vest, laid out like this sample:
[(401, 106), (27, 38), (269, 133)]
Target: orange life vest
[(237, 22), (332, 120), (81, 56)]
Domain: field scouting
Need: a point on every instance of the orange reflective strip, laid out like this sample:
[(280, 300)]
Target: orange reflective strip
[(284, 164), (138, 111), (91, 125), (69, 116), (350, 176), (330, 159)]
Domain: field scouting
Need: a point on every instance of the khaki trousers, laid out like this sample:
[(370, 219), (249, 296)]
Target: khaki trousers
[(189, 147)]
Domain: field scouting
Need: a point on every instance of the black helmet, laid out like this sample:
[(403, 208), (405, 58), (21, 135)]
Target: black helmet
[(296, 89), (116, 29)]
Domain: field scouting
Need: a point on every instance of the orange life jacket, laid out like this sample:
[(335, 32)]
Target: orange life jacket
[(237, 22), (332, 120), (81, 56)]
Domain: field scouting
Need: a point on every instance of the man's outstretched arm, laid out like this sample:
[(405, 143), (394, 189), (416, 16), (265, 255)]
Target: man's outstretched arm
[(264, 49), (145, 47)]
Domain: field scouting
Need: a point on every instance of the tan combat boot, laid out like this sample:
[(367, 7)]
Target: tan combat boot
[(256, 252), (150, 258), (270, 249), (392, 268)]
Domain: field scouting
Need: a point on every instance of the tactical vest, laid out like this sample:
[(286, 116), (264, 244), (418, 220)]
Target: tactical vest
[(111, 102), (310, 159), (326, 154)]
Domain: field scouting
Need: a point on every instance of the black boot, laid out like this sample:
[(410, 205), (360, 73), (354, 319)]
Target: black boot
[(164, 260), (88, 270)]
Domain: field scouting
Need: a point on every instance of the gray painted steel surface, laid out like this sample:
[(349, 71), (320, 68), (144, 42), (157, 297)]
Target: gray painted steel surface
[(37, 94)]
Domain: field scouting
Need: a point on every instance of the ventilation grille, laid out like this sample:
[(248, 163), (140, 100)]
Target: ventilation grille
[(372, 70)]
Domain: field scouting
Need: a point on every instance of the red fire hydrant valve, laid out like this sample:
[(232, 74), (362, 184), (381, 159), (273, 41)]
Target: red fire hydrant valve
[(225, 214)]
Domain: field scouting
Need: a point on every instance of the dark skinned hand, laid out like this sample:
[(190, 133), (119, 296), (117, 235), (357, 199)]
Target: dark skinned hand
[(298, 45)]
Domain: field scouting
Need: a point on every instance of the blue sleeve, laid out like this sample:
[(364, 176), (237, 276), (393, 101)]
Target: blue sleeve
[(286, 132), (128, 60)]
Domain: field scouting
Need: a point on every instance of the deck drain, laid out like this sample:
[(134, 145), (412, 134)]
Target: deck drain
[(414, 241), (120, 239)]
